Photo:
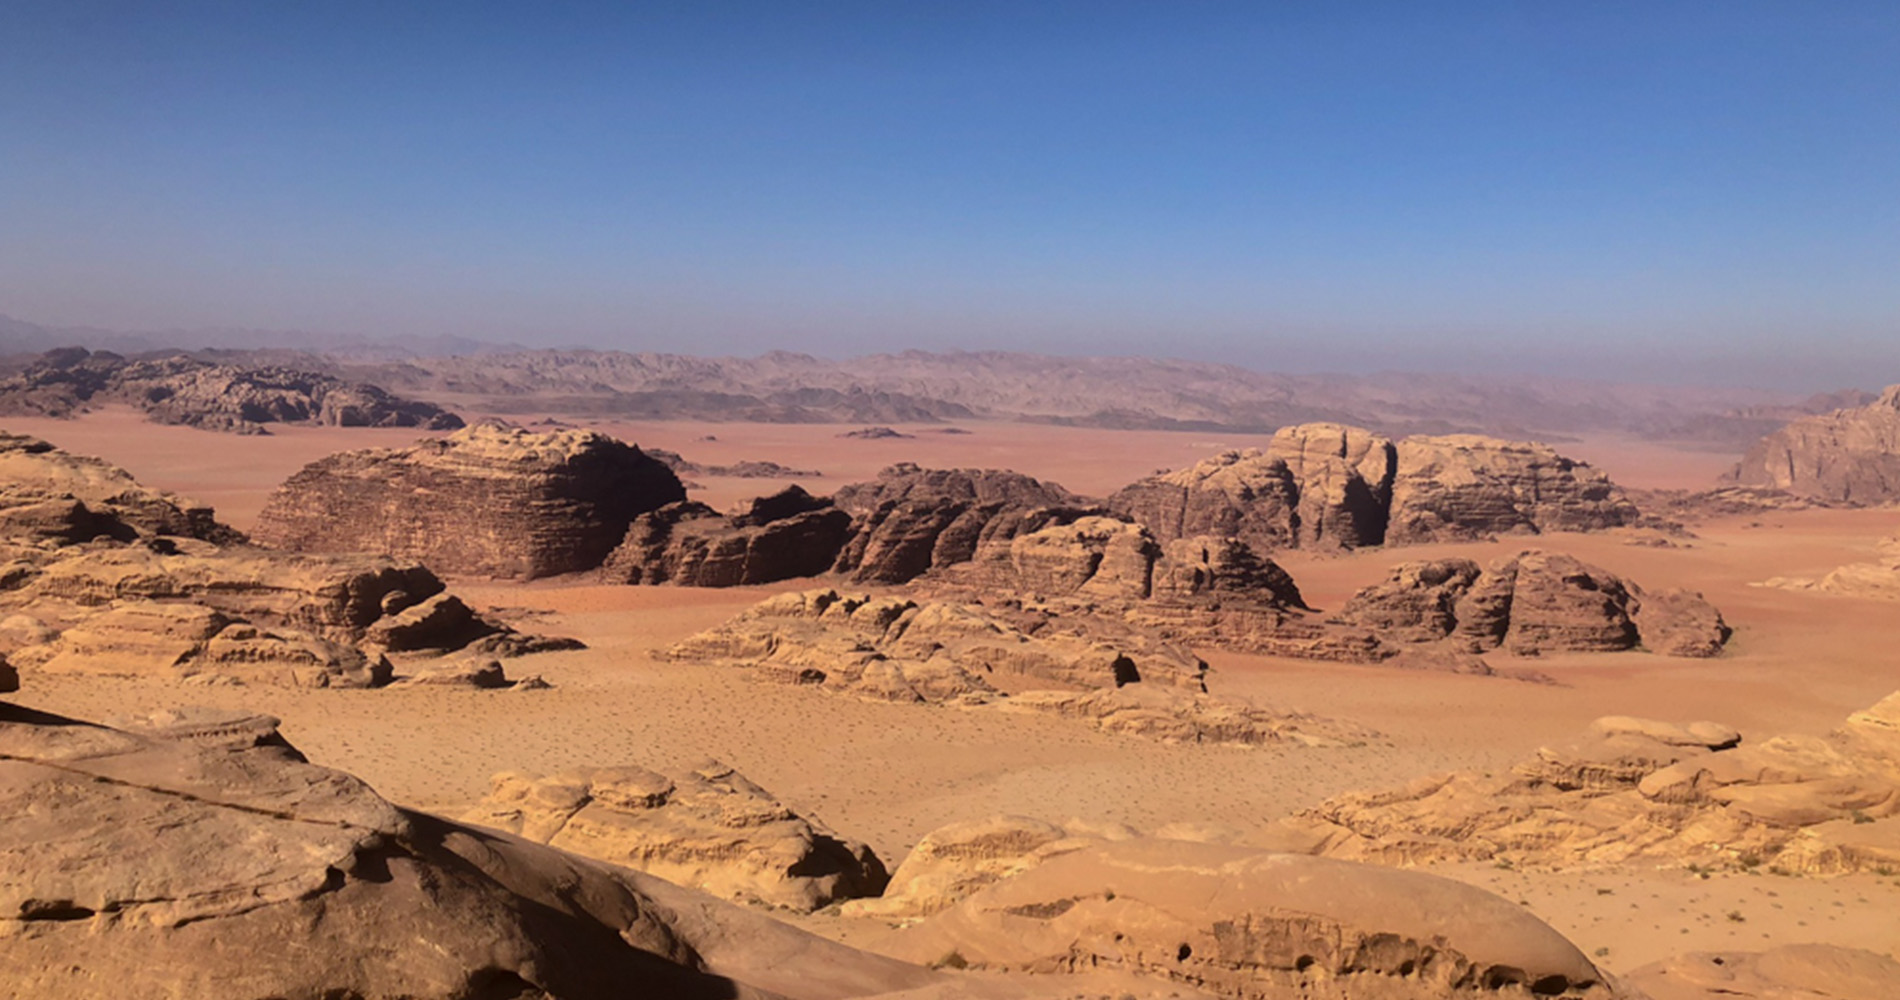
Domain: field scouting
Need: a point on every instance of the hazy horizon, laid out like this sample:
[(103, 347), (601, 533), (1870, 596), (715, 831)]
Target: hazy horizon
[(1637, 192)]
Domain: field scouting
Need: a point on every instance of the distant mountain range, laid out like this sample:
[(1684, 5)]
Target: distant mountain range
[(935, 387)]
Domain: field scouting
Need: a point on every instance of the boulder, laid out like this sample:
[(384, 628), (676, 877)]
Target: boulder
[(705, 827), (488, 500), (1848, 456), (779, 537), (1240, 922), (475, 672)]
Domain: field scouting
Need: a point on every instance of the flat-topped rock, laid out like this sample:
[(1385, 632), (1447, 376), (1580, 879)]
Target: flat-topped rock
[(1334, 486), (488, 500), (705, 827), (1847, 456), (1532, 603)]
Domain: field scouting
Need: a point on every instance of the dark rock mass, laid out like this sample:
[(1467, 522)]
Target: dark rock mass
[(788, 534), (911, 519), (489, 500), (1847, 456), (184, 390)]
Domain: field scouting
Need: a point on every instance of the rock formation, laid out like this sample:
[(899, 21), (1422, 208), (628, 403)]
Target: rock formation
[(183, 390), (786, 535), (749, 469), (1332, 486), (1634, 789), (488, 500), (1239, 922), (704, 827), (155, 586), (49, 495), (1016, 658), (952, 863), (1790, 972), (1534, 602), (132, 864), (1847, 456), (1878, 579), (910, 519)]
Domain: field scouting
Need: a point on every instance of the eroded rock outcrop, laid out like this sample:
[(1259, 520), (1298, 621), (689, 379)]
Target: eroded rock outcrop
[(952, 863), (1534, 602), (910, 520), (1847, 456), (139, 865), (488, 500), (1878, 578), (1012, 657), (185, 390), (1239, 922), (1333, 486), (1639, 789), (50, 495), (786, 535), (705, 827)]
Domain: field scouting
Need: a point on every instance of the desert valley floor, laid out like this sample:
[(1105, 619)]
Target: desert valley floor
[(1799, 662)]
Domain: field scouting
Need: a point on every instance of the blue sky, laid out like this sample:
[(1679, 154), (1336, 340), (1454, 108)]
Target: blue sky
[(1705, 191)]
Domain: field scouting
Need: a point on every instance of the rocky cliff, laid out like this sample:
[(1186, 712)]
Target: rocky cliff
[(489, 500), (1849, 456), (779, 537)]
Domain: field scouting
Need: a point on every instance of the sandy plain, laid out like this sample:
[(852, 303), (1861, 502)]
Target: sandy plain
[(886, 774)]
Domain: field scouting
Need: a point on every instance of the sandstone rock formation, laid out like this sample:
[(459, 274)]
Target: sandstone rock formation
[(1790, 972), (910, 519), (749, 469), (50, 495), (1245, 923), (1332, 486), (1014, 657), (138, 865), (488, 500), (786, 535), (1534, 602), (952, 863), (184, 390), (1636, 789), (1878, 579), (1848, 456), (704, 827)]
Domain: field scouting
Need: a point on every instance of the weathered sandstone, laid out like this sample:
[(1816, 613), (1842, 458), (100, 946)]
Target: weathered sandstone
[(705, 827), (779, 537), (1636, 789), (910, 520), (1790, 972), (488, 500), (1847, 456)]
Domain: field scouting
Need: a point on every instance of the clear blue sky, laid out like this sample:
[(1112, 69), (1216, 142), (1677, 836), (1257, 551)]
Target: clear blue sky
[(1705, 190)]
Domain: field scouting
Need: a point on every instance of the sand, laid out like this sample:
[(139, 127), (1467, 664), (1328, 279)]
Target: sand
[(886, 774)]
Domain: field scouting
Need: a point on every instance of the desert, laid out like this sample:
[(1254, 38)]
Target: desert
[(843, 501)]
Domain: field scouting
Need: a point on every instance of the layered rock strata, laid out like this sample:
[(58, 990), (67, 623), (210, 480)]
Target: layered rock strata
[(910, 520), (488, 500)]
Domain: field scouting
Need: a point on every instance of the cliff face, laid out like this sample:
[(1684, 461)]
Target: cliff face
[(486, 501), (1849, 456)]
